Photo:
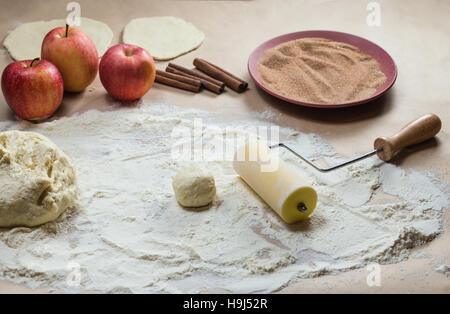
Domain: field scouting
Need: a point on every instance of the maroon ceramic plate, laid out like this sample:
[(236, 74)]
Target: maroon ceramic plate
[(386, 62)]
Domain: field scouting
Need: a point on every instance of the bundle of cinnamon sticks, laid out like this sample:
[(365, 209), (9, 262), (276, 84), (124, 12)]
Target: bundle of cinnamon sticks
[(208, 76)]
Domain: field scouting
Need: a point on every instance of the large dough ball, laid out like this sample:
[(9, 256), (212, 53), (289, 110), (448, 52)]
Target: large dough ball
[(37, 180), (194, 186)]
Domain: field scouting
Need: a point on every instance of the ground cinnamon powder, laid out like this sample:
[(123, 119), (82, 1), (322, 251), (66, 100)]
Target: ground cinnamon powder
[(319, 70)]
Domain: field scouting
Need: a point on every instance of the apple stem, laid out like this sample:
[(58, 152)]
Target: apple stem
[(35, 59), (67, 29)]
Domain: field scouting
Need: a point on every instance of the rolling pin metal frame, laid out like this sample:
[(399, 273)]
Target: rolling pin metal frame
[(321, 169)]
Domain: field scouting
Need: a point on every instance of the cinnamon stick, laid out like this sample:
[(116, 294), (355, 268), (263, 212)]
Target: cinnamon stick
[(177, 84), (196, 74), (218, 89), (180, 78), (220, 74)]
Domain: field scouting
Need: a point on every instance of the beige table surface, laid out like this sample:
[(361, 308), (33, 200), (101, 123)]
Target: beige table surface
[(416, 34)]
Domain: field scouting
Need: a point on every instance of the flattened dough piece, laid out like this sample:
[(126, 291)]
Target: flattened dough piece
[(164, 37), (25, 41), (37, 180)]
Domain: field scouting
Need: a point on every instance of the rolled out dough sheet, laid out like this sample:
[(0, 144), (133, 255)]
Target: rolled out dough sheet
[(25, 41), (164, 37)]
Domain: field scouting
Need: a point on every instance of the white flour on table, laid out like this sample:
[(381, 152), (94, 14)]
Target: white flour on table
[(128, 234), (443, 269)]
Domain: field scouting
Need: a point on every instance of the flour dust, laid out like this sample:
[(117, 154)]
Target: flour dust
[(128, 234)]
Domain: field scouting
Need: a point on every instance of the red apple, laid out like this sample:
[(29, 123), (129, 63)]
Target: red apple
[(74, 54), (127, 72), (32, 88)]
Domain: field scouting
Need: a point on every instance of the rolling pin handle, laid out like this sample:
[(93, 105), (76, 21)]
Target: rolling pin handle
[(414, 132)]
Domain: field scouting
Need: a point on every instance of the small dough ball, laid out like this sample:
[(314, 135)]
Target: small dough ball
[(37, 180), (194, 186)]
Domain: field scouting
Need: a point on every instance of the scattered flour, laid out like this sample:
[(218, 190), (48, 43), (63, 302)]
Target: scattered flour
[(128, 234), (443, 269), (420, 255)]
